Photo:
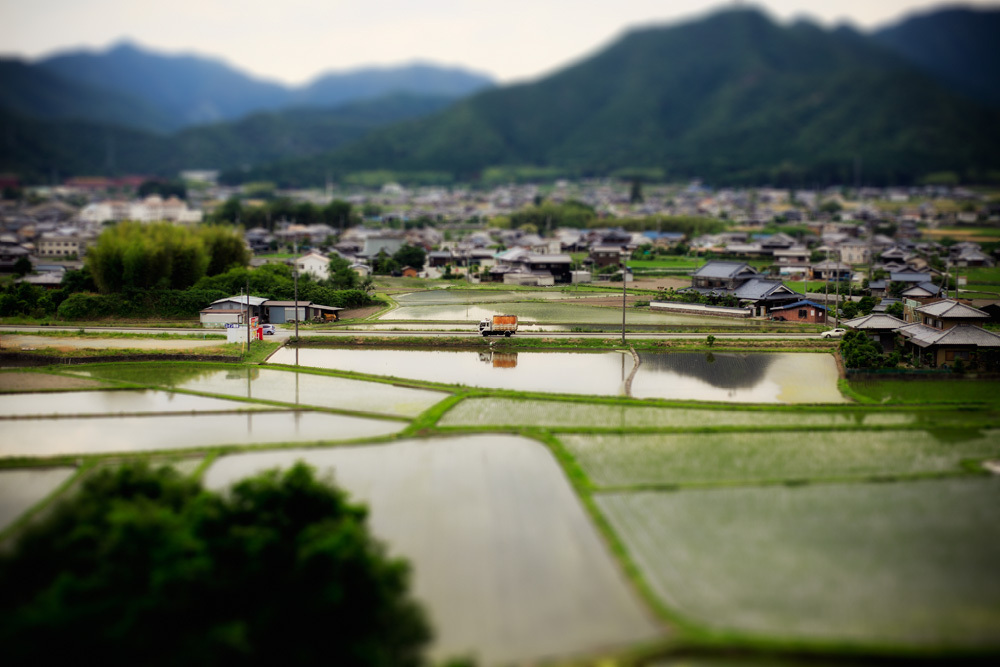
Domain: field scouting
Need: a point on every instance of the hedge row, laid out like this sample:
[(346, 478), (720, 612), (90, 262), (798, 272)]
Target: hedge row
[(138, 304)]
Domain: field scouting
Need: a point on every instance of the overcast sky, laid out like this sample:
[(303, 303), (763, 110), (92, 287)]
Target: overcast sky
[(293, 41)]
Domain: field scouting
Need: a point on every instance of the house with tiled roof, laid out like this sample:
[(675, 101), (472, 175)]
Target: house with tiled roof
[(946, 332), (740, 280), (922, 292), (802, 310), (720, 274), (880, 327), (946, 313)]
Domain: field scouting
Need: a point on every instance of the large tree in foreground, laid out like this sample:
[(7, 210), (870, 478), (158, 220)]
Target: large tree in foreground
[(145, 567)]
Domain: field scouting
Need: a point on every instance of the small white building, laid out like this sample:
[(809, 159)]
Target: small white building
[(314, 263)]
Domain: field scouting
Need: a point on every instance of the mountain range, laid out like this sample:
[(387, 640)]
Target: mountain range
[(732, 97)]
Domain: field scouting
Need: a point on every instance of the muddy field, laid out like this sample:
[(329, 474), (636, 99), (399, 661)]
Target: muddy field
[(66, 344), (38, 381)]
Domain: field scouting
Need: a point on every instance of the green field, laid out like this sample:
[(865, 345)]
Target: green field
[(565, 415), (669, 459), (920, 390), (900, 564), (982, 275), (666, 262)]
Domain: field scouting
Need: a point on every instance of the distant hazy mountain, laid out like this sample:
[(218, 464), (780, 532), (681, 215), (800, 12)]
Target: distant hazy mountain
[(189, 89), (733, 97), (193, 90), (32, 91), (730, 98), (334, 89), (44, 150), (287, 134), (960, 46)]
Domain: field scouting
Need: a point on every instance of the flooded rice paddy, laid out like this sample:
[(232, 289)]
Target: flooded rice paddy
[(108, 435), (300, 389), (466, 296), (125, 401), (20, 490), (537, 309), (504, 556), (548, 313), (736, 378), (764, 552), (885, 563)]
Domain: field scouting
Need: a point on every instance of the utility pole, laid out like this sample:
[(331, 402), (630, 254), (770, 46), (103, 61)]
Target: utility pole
[(624, 273), (295, 276), (248, 313), (826, 291)]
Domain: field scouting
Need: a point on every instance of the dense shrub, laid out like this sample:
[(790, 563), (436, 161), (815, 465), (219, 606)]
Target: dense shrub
[(138, 304), (860, 351), (131, 255), (144, 567)]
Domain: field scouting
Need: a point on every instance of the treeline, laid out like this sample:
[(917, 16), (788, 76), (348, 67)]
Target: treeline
[(168, 272), (549, 216), (338, 213), (131, 255), (343, 289)]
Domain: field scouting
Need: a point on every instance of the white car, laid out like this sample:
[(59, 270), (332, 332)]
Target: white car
[(267, 329), (833, 333)]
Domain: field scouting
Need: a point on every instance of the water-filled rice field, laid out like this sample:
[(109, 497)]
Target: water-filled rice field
[(504, 555), (115, 435), (20, 490), (264, 384), (883, 563)]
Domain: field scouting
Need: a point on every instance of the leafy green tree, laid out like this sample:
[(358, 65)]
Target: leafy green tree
[(635, 192), (384, 264), (162, 256), (865, 305), (144, 566), (338, 213), (410, 255), (22, 266), (849, 310), (165, 189), (231, 211), (860, 351), (896, 288), (226, 249), (342, 276)]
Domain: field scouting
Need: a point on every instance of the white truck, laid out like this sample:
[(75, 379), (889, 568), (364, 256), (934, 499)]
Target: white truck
[(498, 325)]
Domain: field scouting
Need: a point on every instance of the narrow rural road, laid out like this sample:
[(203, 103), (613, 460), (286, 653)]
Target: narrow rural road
[(453, 331)]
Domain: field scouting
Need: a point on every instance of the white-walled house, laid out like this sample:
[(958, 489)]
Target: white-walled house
[(315, 264)]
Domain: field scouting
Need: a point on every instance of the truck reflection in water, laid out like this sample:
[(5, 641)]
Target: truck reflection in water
[(499, 359)]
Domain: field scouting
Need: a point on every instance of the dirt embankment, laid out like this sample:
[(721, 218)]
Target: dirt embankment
[(40, 381), (67, 344)]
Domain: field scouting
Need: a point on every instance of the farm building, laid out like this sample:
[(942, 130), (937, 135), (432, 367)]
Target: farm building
[(800, 311)]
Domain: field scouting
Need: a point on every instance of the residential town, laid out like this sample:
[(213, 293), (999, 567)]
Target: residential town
[(899, 247)]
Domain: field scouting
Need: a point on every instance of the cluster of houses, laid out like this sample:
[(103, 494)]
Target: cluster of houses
[(938, 334), (934, 331)]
